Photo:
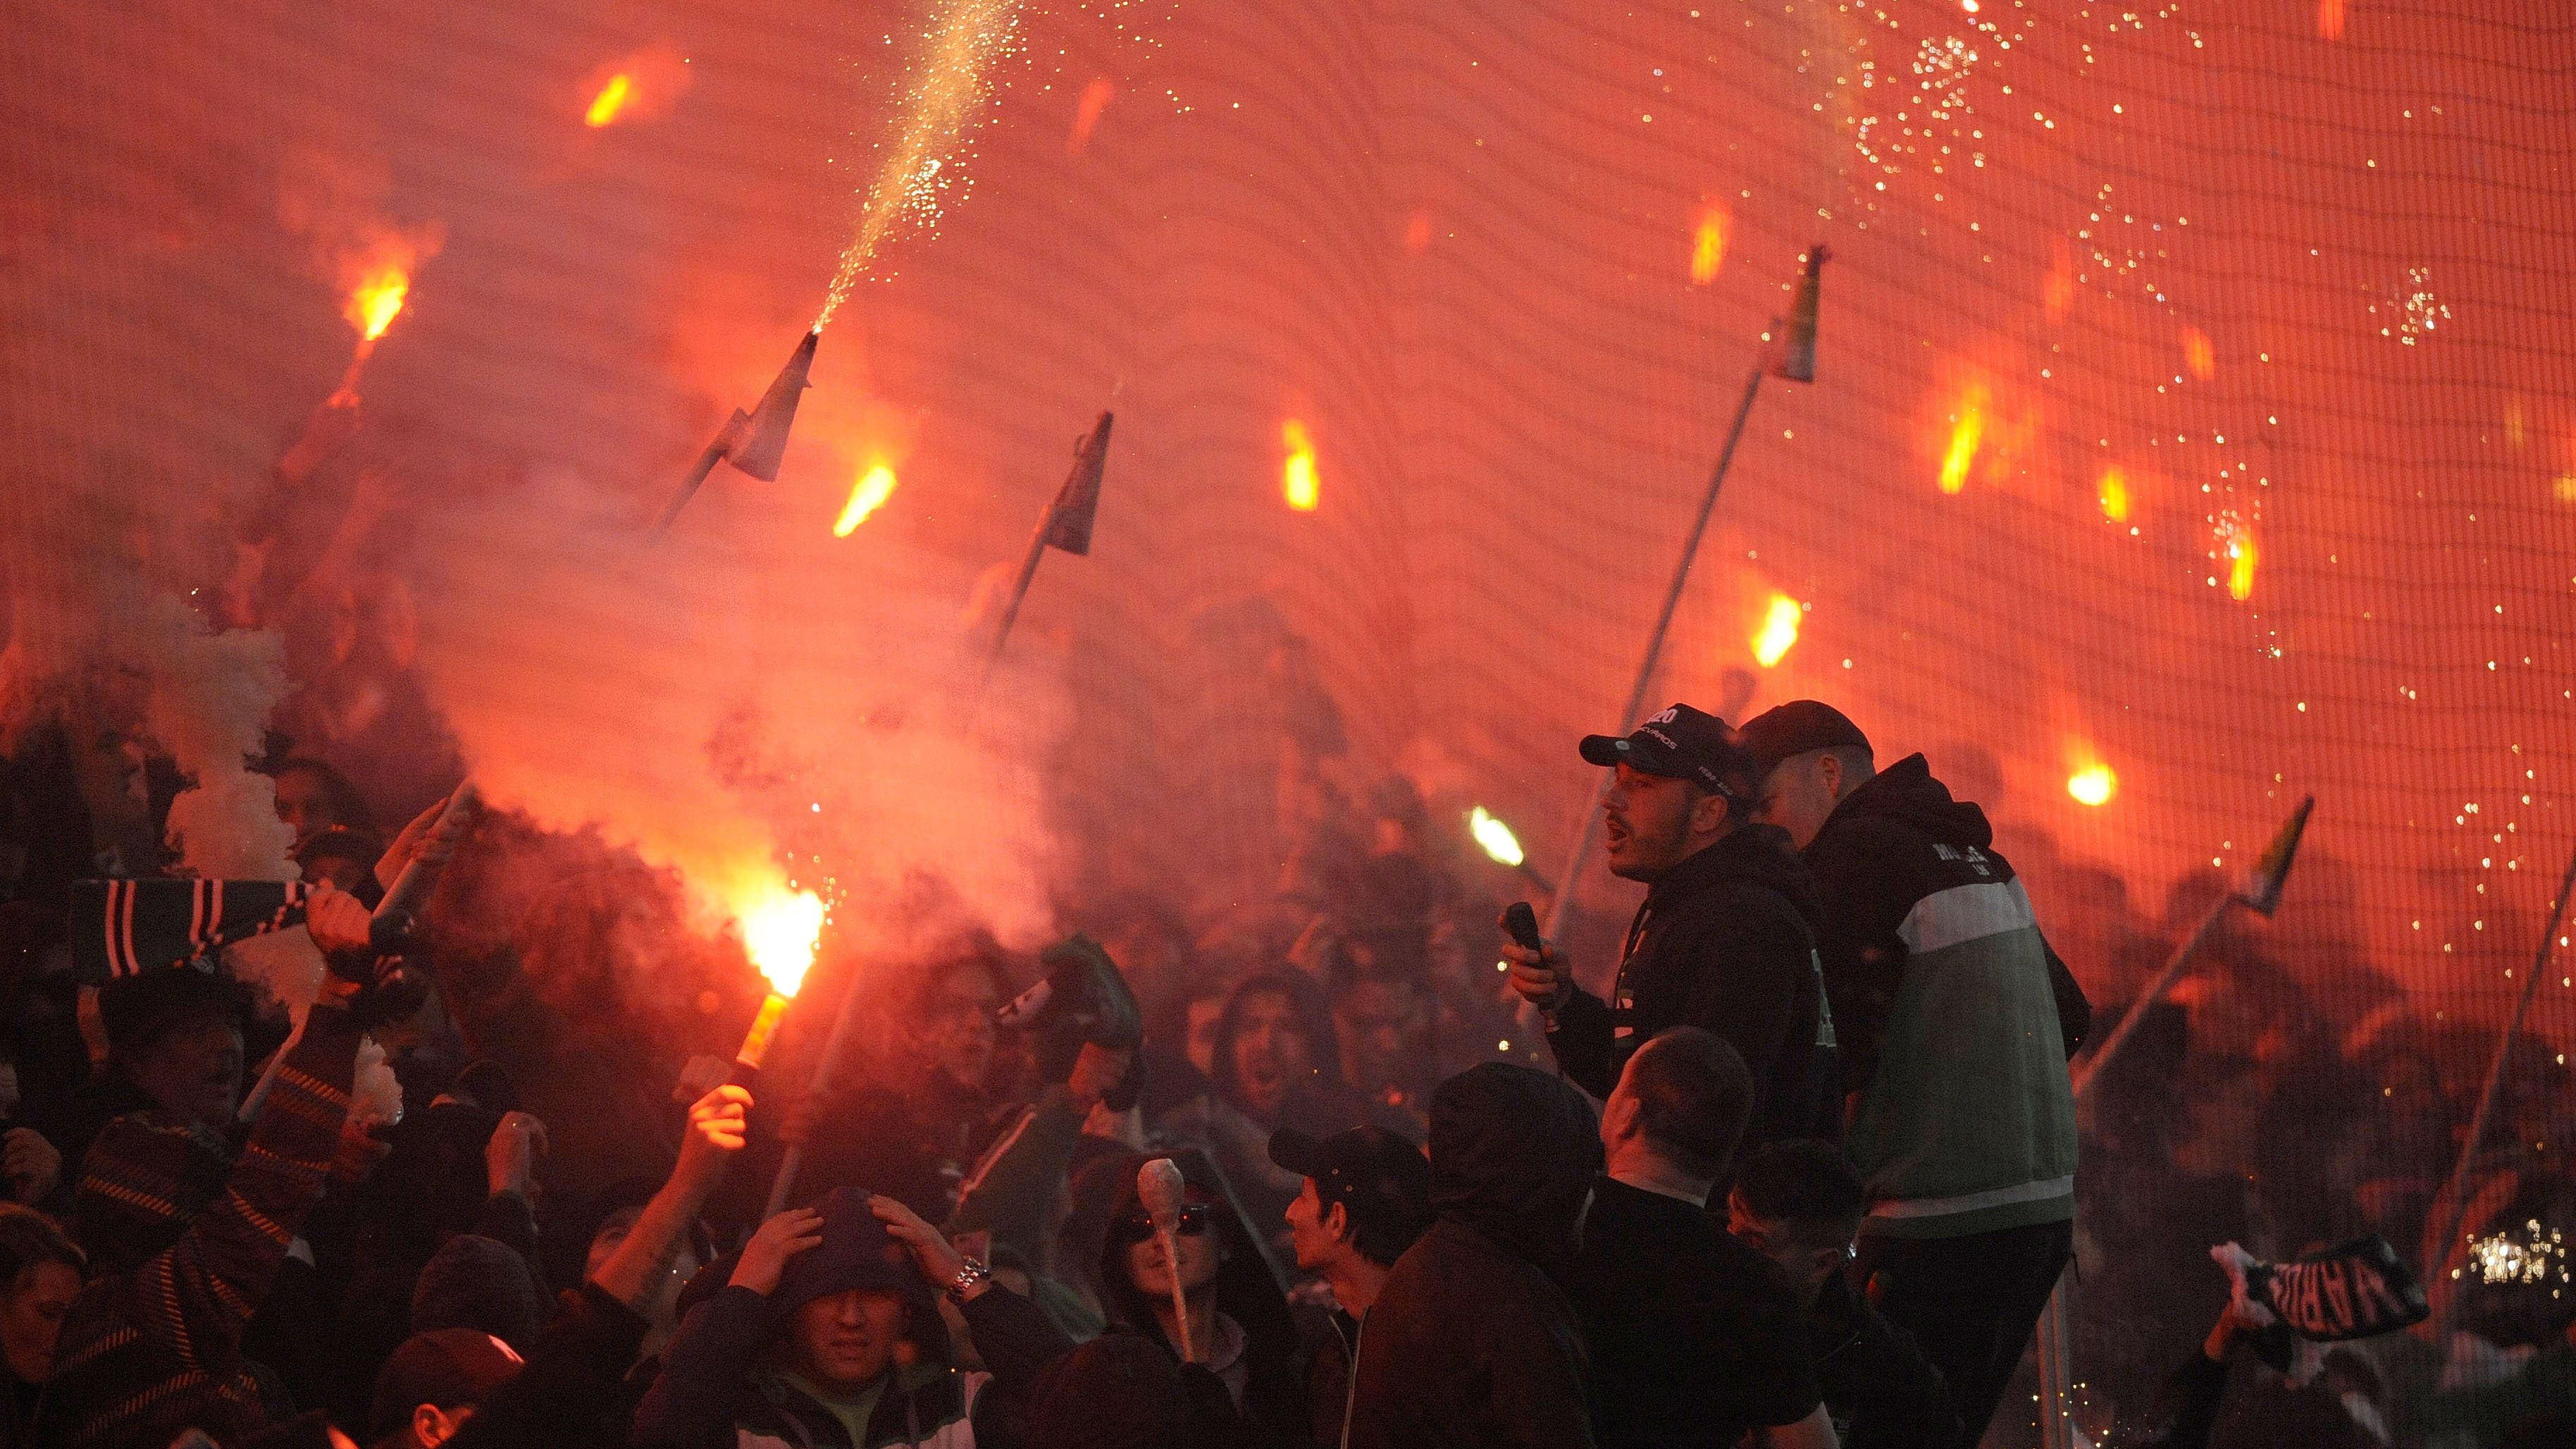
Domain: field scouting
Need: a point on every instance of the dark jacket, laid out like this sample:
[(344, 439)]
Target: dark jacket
[(1471, 1342), (1955, 1018), (1727, 941), (148, 1353), (573, 1390), (1881, 1390), (1695, 1338), (1332, 1340)]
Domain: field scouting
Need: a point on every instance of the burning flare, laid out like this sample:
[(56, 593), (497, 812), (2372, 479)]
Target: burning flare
[(2115, 495), (2093, 785), (1965, 433), (1297, 479), (1086, 113), (378, 299), (779, 928), (1494, 837), (1779, 631), (2199, 357), (867, 495), (611, 100), (1708, 246), (2240, 563)]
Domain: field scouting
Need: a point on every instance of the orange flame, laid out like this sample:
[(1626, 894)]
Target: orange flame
[(2115, 495), (2240, 563), (1965, 433), (1417, 231), (1708, 245), (1779, 631), (611, 100), (1086, 113), (2093, 785), (2330, 19), (2198, 357), (867, 495), (378, 299), (1297, 481), (779, 928)]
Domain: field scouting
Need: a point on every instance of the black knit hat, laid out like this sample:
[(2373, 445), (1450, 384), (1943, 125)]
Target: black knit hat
[(138, 1009)]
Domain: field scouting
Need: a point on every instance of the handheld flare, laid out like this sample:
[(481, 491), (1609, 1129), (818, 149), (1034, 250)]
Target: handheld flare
[(1797, 357), (410, 891), (1158, 1183), (756, 441)]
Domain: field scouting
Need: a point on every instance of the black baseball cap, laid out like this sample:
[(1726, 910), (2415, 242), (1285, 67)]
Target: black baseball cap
[(1684, 744), (446, 1367), (1796, 728), (1379, 1177)]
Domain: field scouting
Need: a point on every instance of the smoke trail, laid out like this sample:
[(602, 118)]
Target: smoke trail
[(941, 100)]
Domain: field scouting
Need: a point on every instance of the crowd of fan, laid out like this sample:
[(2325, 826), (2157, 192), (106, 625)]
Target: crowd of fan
[(1386, 1239)]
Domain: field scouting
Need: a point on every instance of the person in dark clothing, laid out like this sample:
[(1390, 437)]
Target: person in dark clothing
[(174, 1045), (1799, 1204), (431, 1385), (40, 1276), (1956, 1022), (1240, 1328), (1472, 1341), (1366, 1198), (1120, 1391), (826, 1334), (1725, 940), (1695, 1338)]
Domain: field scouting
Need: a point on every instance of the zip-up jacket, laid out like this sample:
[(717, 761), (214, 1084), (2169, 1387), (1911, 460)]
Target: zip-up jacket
[(1954, 1017), (1727, 940)]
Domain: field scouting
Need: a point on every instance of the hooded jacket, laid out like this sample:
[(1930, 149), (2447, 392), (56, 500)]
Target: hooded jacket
[(1727, 941), (1956, 1020), (1472, 1342)]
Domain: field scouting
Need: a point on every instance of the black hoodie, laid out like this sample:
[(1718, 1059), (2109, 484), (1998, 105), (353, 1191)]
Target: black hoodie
[(1725, 941), (1472, 1342)]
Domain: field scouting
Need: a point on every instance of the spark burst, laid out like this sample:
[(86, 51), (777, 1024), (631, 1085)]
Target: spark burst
[(941, 103)]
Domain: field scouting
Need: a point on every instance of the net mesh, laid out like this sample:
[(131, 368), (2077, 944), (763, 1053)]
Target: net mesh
[(2194, 428)]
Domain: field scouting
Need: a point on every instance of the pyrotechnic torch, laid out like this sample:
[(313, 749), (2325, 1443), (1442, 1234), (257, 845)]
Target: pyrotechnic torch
[(1502, 847), (1159, 1183), (778, 934), (754, 442)]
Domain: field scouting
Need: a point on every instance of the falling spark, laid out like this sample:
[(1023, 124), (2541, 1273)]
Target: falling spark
[(2115, 495), (1494, 837), (940, 105), (611, 99), (1964, 435), (1779, 631), (2199, 358), (2540, 1258), (867, 495), (1708, 246), (2093, 785), (779, 928), (376, 301), (1086, 113), (1297, 478), (2240, 563), (1417, 232)]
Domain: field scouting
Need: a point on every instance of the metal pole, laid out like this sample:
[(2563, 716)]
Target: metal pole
[(2154, 992), (1588, 827), (2459, 1187), (2056, 1376), (698, 471), (1019, 591)]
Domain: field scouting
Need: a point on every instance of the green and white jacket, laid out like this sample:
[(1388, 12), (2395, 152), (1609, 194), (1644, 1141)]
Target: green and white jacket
[(1955, 1018)]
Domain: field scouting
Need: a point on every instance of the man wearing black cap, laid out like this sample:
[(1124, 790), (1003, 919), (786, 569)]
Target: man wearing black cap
[(1956, 1024), (431, 1386), (1366, 1198), (1725, 940)]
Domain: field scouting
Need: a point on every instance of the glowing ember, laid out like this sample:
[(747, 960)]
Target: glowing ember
[(867, 495), (2330, 19), (1494, 837), (376, 301), (1965, 432), (2115, 495), (1779, 631), (2093, 785), (612, 98), (2240, 563), (1297, 477), (1708, 246), (1086, 113), (778, 933), (2541, 1256), (2199, 358)]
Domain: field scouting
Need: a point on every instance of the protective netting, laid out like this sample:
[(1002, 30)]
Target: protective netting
[(2194, 430)]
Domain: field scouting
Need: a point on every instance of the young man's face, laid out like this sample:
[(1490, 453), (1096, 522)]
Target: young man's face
[(844, 1340), (1310, 1230), (194, 1069), (957, 1026), (1270, 1051), (1648, 822), (1371, 1017), (1800, 795)]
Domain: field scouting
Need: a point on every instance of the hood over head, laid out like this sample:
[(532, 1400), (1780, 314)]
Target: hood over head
[(1513, 1151), (1906, 792)]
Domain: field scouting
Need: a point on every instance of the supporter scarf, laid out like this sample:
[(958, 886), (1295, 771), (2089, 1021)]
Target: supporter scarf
[(125, 927)]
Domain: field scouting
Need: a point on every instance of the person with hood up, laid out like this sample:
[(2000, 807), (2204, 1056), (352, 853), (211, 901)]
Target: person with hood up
[(826, 1335), (1956, 1024), (1726, 939), (1472, 1342), (1239, 1324)]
